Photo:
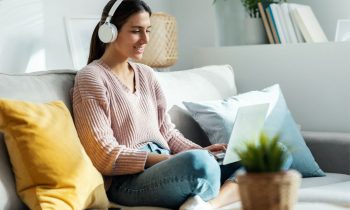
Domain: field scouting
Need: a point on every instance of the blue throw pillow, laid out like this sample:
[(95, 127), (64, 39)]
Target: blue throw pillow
[(287, 156), (216, 118)]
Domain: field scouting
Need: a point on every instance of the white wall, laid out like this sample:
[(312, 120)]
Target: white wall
[(56, 45), (159, 5), (42, 28), (21, 34), (58, 54), (33, 35), (196, 27)]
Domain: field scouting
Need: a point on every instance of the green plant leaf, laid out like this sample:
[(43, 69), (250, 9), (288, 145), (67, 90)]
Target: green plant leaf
[(263, 155)]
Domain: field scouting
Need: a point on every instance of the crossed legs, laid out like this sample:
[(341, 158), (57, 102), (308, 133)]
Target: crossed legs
[(170, 183)]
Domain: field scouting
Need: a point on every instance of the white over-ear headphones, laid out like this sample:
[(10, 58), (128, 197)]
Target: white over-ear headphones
[(108, 32)]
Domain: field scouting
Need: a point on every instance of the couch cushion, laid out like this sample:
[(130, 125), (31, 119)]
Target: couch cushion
[(37, 87), (330, 178), (205, 83), (51, 167), (336, 144), (337, 193), (188, 126), (8, 196)]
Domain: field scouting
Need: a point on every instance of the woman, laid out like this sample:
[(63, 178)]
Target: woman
[(120, 115)]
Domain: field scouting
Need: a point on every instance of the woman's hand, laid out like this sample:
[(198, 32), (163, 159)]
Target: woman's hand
[(216, 148), (153, 159)]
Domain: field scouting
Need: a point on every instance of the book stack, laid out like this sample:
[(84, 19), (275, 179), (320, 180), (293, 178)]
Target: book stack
[(290, 23)]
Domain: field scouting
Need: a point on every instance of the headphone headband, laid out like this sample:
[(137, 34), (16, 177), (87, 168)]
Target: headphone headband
[(113, 9)]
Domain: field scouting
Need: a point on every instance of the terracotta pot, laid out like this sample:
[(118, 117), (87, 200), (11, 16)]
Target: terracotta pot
[(269, 191)]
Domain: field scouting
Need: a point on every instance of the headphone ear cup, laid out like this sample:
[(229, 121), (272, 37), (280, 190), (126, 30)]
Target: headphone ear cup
[(107, 32)]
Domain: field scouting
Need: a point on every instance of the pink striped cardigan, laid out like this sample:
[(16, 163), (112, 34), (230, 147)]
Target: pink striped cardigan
[(113, 123)]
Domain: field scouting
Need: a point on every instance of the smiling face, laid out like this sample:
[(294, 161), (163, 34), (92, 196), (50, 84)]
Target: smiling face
[(133, 36)]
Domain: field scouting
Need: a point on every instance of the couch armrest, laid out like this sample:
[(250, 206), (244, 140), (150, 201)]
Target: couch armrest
[(331, 150)]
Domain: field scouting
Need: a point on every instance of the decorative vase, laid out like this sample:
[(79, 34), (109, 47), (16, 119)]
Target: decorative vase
[(254, 31), (269, 191), (229, 20)]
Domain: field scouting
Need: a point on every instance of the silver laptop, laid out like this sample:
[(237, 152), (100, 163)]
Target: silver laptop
[(248, 125)]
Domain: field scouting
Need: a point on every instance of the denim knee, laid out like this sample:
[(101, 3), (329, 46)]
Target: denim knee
[(204, 170)]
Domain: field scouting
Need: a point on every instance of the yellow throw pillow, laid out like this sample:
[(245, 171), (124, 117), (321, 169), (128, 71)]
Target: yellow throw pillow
[(51, 167)]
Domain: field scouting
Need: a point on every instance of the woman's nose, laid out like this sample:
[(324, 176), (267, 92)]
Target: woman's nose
[(144, 37)]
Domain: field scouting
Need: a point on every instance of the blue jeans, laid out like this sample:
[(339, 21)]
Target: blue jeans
[(169, 183)]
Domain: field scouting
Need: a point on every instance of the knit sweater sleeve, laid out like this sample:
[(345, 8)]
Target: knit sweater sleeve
[(93, 124), (177, 142)]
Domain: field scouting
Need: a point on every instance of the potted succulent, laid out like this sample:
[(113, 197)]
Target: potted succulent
[(265, 185)]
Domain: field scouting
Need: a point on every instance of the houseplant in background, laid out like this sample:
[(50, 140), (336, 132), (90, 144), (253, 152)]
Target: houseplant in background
[(251, 6), (266, 183), (239, 21), (253, 26)]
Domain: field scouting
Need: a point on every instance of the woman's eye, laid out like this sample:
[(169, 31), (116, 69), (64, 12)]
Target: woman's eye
[(138, 31)]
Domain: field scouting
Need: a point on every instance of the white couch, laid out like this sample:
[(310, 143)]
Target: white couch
[(331, 150)]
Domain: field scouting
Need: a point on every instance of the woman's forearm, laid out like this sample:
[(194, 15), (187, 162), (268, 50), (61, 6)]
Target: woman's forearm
[(153, 159)]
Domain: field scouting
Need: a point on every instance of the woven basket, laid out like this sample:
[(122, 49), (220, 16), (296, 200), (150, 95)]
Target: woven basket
[(269, 191), (161, 50)]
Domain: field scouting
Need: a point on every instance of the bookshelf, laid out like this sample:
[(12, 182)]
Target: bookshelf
[(290, 23), (314, 77)]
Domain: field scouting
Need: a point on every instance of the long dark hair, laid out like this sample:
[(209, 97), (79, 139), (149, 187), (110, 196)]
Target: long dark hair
[(120, 17)]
